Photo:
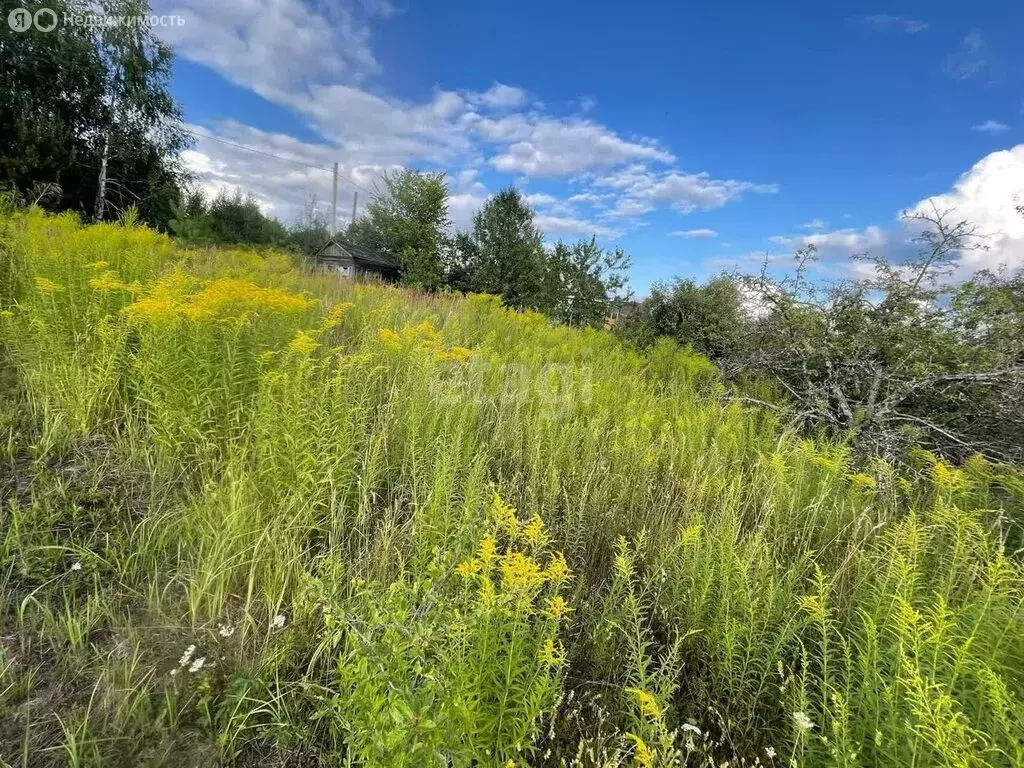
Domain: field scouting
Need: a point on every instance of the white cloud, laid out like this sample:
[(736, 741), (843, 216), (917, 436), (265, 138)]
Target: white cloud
[(694, 234), (837, 243), (986, 196), (316, 60), (499, 96), (991, 126), (555, 148), (814, 224), (884, 22), (554, 226), (686, 192), (969, 58)]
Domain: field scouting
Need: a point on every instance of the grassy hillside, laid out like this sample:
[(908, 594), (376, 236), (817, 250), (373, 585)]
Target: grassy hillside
[(255, 516)]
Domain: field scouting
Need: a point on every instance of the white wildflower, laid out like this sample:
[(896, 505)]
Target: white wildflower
[(690, 746), (278, 621), (803, 721), (770, 751), (174, 672), (197, 664), (691, 728), (186, 656), (225, 630), (76, 566)]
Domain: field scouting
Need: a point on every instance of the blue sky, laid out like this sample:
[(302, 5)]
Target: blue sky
[(695, 136)]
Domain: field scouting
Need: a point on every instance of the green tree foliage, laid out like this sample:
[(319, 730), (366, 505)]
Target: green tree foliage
[(408, 219), (710, 317), (228, 219), (73, 94), (582, 281), (504, 254)]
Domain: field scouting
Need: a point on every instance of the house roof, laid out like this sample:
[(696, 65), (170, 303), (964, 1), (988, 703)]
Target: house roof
[(363, 255)]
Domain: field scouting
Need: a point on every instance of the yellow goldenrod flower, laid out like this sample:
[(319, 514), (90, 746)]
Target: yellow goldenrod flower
[(469, 568), (557, 607), (558, 570), (488, 550), (505, 516), (108, 282), (487, 594), (551, 653), (520, 572), (648, 704), (390, 339), (97, 265), (643, 755), (337, 312), (302, 344), (48, 286), (534, 532), (947, 477), (863, 481)]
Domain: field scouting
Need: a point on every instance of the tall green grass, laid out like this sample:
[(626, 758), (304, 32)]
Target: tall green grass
[(255, 515)]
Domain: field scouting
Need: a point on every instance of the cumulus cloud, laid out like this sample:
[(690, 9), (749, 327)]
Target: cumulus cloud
[(554, 226), (987, 195), (694, 234), (991, 126), (499, 96), (838, 244), (686, 192), (549, 147)]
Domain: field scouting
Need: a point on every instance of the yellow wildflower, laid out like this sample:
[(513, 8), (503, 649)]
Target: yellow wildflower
[(109, 281), (48, 286), (947, 477), (469, 568), (534, 532), (303, 343), (551, 653), (520, 572), (390, 339), (6, 313), (557, 571), (337, 312), (863, 481), (648, 704), (826, 463), (505, 516), (455, 354), (97, 265), (557, 607), (643, 755), (488, 550)]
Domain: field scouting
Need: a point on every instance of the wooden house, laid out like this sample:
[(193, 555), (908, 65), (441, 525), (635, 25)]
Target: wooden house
[(347, 260)]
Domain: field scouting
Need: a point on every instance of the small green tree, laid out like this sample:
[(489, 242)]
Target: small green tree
[(583, 280), (408, 219), (504, 253)]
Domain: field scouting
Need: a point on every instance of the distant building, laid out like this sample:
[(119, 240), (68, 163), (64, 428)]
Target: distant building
[(349, 260)]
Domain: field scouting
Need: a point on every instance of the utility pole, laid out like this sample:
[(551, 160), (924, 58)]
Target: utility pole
[(334, 203), (355, 199)]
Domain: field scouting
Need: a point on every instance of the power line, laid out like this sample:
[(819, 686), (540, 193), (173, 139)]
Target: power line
[(278, 157)]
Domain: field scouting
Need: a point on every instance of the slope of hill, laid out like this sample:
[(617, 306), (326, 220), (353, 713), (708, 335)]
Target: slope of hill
[(253, 515)]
